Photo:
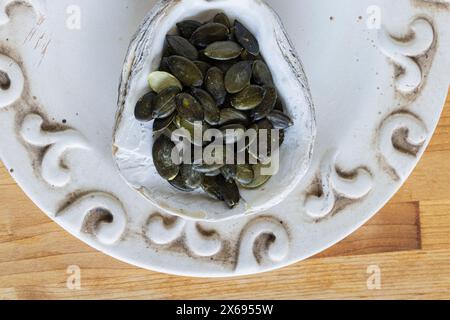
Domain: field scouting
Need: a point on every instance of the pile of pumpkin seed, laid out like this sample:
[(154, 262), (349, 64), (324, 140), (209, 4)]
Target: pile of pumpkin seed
[(214, 73)]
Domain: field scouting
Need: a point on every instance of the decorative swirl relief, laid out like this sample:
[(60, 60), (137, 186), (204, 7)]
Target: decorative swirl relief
[(401, 137), (7, 5), (163, 230), (54, 142), (96, 213), (12, 81), (334, 185), (404, 51), (264, 241)]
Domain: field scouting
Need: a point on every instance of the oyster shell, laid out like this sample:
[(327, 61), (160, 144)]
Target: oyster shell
[(132, 140)]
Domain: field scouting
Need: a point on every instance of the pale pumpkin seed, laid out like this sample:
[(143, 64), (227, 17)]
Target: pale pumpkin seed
[(209, 33), (181, 47), (186, 71), (238, 77), (223, 50), (160, 80), (246, 38), (248, 99)]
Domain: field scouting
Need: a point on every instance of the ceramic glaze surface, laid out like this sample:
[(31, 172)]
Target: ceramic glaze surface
[(378, 73)]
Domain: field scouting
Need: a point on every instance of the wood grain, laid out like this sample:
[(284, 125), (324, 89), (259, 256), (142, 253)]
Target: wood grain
[(409, 240)]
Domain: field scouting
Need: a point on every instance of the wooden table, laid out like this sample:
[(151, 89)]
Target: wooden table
[(408, 242)]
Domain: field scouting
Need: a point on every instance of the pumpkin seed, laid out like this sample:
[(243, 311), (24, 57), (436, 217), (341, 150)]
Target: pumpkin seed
[(144, 107), (229, 171), (190, 127), (215, 85), (245, 55), (219, 188), (160, 80), (262, 74), (165, 103), (223, 19), (209, 33), (162, 158), (246, 38), (248, 99), (187, 179), (187, 28), (231, 115), (233, 133), (211, 110), (160, 125), (280, 120), (267, 105), (259, 179), (189, 108), (203, 66), (244, 174), (181, 47), (223, 50), (164, 66), (186, 71), (238, 77)]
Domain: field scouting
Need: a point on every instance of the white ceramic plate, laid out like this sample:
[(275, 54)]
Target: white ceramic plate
[(379, 72)]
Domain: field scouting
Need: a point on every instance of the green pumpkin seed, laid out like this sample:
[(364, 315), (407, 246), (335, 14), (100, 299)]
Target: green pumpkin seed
[(248, 99), (223, 19), (189, 108), (280, 120), (161, 125), (203, 66), (223, 50), (245, 55), (160, 80), (186, 71), (267, 105), (209, 33), (221, 189), (229, 171), (162, 158), (187, 179), (187, 28), (164, 66), (181, 47), (279, 105), (244, 174), (246, 38), (231, 115), (165, 103), (144, 107), (259, 179), (215, 85), (238, 77), (211, 110), (232, 133), (190, 127), (262, 74)]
